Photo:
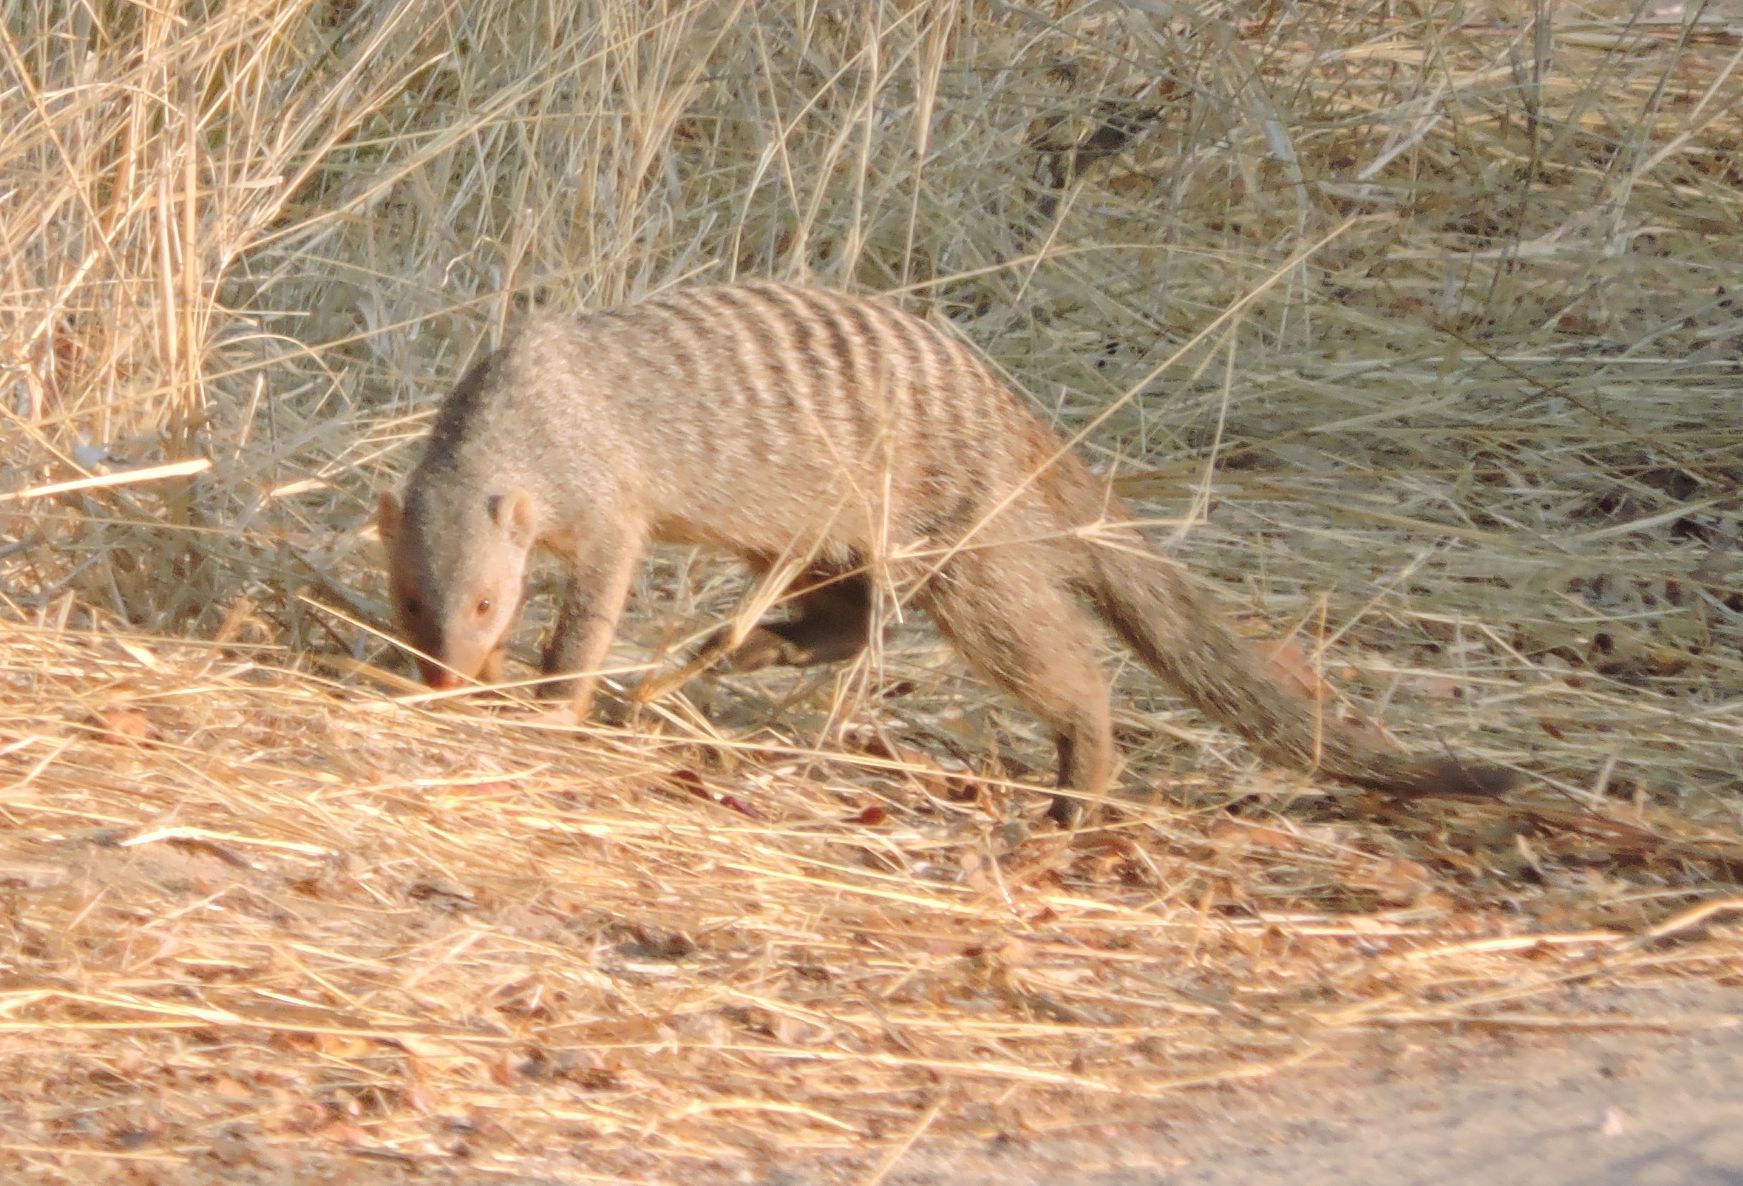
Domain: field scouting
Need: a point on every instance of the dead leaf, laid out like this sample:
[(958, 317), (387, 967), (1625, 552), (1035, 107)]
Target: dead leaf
[(129, 724)]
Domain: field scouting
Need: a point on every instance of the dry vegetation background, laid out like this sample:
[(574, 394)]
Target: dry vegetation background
[(1416, 327)]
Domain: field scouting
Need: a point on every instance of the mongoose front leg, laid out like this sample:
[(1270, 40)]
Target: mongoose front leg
[(587, 615)]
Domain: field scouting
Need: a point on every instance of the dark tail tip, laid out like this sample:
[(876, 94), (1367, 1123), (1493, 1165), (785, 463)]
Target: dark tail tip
[(1449, 778)]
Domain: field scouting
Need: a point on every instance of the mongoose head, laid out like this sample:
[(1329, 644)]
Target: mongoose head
[(456, 567)]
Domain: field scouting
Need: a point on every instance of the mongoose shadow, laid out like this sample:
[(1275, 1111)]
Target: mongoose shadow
[(791, 424)]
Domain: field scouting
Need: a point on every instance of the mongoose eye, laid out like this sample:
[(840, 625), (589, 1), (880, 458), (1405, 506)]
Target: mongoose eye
[(483, 606), (413, 607)]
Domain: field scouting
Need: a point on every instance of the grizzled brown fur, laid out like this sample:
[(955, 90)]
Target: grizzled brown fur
[(794, 424)]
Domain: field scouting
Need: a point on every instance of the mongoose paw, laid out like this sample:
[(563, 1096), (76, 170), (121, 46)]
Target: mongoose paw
[(760, 648), (563, 715), (1066, 811)]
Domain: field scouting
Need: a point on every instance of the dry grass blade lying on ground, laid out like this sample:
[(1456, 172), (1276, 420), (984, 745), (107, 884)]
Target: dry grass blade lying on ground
[(263, 921)]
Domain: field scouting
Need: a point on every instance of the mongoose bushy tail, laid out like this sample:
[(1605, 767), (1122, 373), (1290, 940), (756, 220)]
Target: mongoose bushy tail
[(850, 442)]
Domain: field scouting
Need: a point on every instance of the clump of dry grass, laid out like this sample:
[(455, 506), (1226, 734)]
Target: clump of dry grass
[(1421, 334)]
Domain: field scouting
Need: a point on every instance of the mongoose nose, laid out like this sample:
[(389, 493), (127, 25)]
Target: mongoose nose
[(440, 678)]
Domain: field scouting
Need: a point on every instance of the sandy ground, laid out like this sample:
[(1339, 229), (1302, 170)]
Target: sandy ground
[(1655, 1102)]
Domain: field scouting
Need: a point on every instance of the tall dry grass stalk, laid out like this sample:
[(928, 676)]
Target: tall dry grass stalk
[(1483, 438)]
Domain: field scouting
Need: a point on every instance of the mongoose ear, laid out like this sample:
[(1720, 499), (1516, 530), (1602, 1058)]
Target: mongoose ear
[(515, 514), (387, 517)]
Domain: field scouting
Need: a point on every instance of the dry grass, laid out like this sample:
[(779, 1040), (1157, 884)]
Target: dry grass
[(264, 923)]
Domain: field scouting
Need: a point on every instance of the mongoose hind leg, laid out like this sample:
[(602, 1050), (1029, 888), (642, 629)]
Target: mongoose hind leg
[(1019, 626), (830, 623)]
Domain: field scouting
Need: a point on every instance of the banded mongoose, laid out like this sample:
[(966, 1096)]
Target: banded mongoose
[(787, 423)]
